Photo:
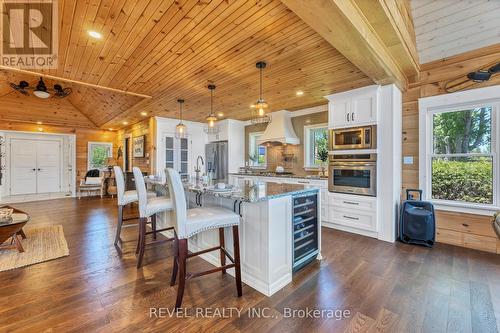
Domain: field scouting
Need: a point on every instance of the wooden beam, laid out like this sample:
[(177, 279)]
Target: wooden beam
[(344, 25), (58, 78)]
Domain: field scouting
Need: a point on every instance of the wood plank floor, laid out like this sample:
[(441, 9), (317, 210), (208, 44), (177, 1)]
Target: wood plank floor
[(384, 287)]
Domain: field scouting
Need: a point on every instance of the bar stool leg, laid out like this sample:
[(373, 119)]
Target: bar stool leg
[(142, 240), (183, 251), (176, 260), (222, 245), (237, 268), (153, 225), (119, 225)]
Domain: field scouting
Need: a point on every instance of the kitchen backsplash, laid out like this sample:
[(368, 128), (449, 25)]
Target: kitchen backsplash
[(281, 155)]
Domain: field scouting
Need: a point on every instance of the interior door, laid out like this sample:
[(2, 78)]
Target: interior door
[(22, 166), (48, 166)]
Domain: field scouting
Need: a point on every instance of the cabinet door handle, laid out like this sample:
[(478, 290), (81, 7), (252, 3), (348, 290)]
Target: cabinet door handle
[(303, 182), (352, 116), (34, 169), (347, 116), (351, 203), (350, 217)]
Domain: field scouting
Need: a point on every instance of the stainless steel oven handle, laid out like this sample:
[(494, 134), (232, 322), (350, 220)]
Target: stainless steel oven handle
[(351, 203), (350, 217)]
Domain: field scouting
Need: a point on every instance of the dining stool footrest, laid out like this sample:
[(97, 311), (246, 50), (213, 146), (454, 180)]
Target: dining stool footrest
[(210, 271)]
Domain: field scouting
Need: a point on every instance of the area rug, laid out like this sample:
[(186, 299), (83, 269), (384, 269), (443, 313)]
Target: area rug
[(42, 243)]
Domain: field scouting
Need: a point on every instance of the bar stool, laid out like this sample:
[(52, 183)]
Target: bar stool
[(124, 198), (189, 222), (148, 207)]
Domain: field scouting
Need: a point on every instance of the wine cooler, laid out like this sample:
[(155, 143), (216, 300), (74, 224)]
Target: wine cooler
[(305, 229)]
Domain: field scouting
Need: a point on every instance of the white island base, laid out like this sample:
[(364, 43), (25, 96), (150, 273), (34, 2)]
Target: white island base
[(266, 238)]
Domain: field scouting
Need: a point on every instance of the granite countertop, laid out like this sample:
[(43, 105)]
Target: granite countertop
[(255, 191), (308, 177)]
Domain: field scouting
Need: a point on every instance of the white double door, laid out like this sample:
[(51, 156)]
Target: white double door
[(35, 166)]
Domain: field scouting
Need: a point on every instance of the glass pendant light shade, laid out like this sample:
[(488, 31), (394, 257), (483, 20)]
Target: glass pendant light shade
[(259, 113), (180, 129), (211, 119)]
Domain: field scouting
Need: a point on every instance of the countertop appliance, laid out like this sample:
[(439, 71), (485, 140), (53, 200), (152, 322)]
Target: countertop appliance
[(353, 138), (217, 161), (353, 174)]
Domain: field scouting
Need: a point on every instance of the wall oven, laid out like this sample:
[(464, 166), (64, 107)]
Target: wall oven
[(353, 138), (353, 174)]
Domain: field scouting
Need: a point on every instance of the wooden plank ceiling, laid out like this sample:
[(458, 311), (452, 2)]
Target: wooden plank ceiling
[(448, 27), (172, 49)]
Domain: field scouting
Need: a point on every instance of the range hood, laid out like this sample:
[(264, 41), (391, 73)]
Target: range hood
[(279, 130)]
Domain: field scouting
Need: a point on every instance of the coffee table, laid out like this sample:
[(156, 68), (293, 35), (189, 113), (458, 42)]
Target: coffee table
[(11, 230)]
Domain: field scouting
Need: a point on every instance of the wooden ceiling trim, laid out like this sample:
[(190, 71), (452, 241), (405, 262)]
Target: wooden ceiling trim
[(152, 49), (231, 41), (190, 47)]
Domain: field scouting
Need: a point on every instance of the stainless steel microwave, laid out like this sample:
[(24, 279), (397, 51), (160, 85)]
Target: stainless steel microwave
[(353, 138), (353, 173)]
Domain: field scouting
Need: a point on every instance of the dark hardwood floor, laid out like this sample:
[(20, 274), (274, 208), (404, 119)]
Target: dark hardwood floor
[(385, 287)]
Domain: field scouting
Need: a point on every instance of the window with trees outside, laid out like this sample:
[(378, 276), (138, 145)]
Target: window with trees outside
[(257, 154), (315, 145), (98, 154), (463, 157)]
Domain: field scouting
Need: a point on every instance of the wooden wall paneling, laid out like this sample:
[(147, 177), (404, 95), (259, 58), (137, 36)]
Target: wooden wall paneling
[(136, 130), (467, 230)]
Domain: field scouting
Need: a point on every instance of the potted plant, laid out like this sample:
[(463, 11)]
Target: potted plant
[(322, 155)]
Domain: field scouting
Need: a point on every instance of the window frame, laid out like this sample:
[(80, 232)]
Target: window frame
[(250, 138), (89, 152), (455, 102), (307, 145)]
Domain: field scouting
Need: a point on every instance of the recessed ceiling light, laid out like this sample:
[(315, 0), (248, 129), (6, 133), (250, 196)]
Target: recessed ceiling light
[(95, 34), (40, 129), (110, 129), (125, 123), (143, 113), (39, 122), (299, 93), (252, 105), (220, 114)]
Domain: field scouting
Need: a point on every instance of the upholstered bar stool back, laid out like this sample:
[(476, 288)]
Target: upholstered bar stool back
[(148, 207), (189, 222)]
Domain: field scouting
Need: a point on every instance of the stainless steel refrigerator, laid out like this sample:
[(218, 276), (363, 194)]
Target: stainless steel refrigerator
[(217, 161)]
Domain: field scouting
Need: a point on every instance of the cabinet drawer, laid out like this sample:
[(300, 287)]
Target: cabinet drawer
[(357, 219), (352, 202)]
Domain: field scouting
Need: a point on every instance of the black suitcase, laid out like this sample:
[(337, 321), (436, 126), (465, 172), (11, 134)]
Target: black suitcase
[(417, 221)]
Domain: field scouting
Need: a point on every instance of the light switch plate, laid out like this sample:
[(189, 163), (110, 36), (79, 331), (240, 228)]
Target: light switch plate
[(408, 160)]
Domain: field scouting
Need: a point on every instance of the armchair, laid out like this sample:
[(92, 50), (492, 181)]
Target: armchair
[(91, 183)]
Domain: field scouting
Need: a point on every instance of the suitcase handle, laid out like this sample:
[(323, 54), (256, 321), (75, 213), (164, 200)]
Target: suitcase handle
[(409, 190)]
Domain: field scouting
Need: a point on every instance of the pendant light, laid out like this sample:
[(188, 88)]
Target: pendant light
[(211, 128), (259, 112), (180, 129)]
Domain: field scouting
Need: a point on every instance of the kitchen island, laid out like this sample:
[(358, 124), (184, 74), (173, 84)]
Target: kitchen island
[(279, 231)]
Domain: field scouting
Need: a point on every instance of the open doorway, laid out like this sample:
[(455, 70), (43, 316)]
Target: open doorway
[(127, 156)]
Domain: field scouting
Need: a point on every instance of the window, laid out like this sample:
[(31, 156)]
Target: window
[(98, 154), (257, 155), (177, 154), (459, 151), (315, 145), (462, 159)]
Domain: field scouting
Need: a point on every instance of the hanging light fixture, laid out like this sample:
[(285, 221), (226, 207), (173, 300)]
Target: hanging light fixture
[(180, 129), (211, 128), (259, 113)]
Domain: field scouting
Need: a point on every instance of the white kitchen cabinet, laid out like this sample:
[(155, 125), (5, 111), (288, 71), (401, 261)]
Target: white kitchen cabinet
[(353, 213), (353, 108)]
